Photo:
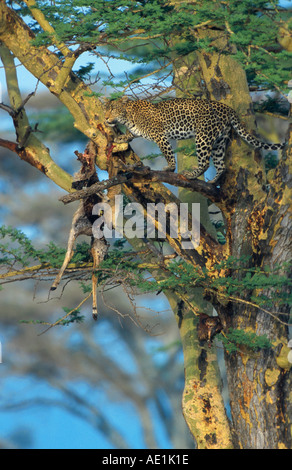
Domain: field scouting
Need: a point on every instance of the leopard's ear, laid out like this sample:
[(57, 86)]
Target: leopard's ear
[(125, 98)]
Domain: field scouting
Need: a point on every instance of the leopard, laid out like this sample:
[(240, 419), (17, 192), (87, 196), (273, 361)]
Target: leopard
[(209, 122)]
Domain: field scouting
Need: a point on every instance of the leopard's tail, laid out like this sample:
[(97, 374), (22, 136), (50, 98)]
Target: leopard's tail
[(250, 139)]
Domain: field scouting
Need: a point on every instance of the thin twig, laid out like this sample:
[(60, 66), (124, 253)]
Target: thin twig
[(67, 314)]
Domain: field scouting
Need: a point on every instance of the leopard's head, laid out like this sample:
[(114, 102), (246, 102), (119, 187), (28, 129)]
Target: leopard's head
[(116, 112)]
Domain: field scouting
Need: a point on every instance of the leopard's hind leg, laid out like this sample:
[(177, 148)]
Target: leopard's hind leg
[(204, 147), (218, 155)]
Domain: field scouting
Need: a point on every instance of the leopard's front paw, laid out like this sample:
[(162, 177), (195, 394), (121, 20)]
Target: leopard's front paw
[(188, 174)]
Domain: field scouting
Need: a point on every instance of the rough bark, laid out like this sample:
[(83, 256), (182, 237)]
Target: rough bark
[(202, 400), (260, 390), (257, 223)]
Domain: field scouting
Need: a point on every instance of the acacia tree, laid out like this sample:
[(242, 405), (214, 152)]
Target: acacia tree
[(220, 51)]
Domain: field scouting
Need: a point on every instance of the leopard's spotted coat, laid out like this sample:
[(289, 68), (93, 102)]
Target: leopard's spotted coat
[(210, 122)]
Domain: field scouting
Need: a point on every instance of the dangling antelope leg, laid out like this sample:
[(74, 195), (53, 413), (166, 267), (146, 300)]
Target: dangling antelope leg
[(69, 253), (99, 249), (80, 225)]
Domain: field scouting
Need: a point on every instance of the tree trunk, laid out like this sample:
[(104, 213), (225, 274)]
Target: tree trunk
[(259, 388), (202, 403), (257, 224)]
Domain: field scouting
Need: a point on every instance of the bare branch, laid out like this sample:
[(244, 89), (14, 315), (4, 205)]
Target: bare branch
[(9, 145), (135, 172)]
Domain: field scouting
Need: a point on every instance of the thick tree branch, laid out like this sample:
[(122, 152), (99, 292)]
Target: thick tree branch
[(9, 145), (47, 67), (45, 25), (139, 172), (144, 192), (28, 146)]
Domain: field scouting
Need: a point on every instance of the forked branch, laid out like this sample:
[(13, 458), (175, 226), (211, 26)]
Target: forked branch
[(138, 172)]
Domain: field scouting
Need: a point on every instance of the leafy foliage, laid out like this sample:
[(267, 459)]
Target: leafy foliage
[(12, 254), (183, 277), (18, 251), (238, 340), (269, 104), (71, 316), (151, 31), (265, 287)]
